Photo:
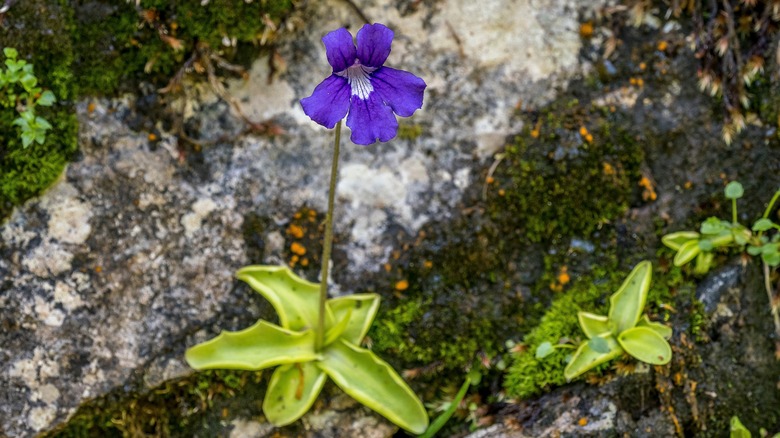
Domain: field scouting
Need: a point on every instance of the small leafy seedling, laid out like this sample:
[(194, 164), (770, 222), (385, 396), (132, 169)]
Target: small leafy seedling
[(18, 73), (762, 239), (624, 329), (738, 430), (303, 369)]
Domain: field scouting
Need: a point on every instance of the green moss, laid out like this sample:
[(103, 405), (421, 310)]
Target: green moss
[(115, 42), (528, 376), (184, 407), (549, 173), (409, 131), (40, 33)]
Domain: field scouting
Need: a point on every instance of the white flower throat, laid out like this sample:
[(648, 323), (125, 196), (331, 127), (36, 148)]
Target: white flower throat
[(358, 77)]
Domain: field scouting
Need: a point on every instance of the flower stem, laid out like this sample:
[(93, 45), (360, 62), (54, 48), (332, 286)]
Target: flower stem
[(327, 243), (770, 294), (771, 204)]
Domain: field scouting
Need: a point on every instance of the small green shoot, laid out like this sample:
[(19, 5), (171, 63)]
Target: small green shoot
[(19, 73), (718, 234)]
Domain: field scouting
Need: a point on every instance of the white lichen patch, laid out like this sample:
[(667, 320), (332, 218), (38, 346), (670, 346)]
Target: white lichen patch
[(41, 416), (67, 296), (68, 216), (46, 313), (48, 259), (194, 219)]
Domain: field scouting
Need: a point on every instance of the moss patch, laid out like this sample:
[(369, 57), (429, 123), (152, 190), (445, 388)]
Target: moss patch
[(40, 32), (529, 376), (116, 42), (550, 172)]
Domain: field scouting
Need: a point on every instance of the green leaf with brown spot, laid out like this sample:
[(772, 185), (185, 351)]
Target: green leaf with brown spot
[(292, 391), (646, 344), (627, 304)]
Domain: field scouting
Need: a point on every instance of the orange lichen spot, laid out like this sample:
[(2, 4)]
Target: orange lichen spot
[(608, 169), (152, 136), (678, 379), (396, 255), (294, 259), (640, 82), (297, 215), (582, 422), (304, 262), (688, 185), (589, 138), (297, 248), (427, 264), (98, 269), (662, 46), (583, 131), (402, 285), (388, 267), (535, 133), (563, 276), (225, 412), (642, 66), (295, 230), (586, 30), (648, 194), (91, 107), (632, 81), (490, 180), (501, 192)]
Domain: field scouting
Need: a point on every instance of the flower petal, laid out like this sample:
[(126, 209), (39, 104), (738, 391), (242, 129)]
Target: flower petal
[(371, 120), (340, 49), (373, 44), (329, 102), (400, 89)]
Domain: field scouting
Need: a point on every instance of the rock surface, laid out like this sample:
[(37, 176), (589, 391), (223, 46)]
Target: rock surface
[(124, 263)]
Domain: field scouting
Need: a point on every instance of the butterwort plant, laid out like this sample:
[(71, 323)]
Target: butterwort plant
[(320, 338)]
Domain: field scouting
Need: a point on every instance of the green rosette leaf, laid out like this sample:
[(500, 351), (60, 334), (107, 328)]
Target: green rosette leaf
[(261, 346), (371, 381), (627, 304), (676, 240), (292, 391), (585, 358), (363, 308), (295, 300), (645, 344), (664, 331), (687, 252), (593, 325)]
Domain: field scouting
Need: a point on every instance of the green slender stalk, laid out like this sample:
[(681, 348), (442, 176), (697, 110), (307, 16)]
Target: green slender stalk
[(773, 308), (442, 419), (771, 204), (327, 243), (734, 211)]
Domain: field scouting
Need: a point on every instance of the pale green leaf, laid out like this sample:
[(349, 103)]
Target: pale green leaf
[(713, 225), (10, 52), (42, 123), (734, 190), (645, 344), (703, 263), (261, 346), (687, 252), (28, 81), (295, 300), (663, 330), (338, 329), (763, 224), (543, 350), (598, 344), (363, 308), (27, 138), (585, 358), (371, 381), (593, 325), (47, 98), (676, 240), (738, 430), (292, 391), (627, 303)]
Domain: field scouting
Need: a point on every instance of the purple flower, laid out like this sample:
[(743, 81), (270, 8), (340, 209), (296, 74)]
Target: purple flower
[(361, 86)]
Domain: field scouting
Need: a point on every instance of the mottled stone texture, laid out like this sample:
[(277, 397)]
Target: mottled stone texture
[(114, 272)]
